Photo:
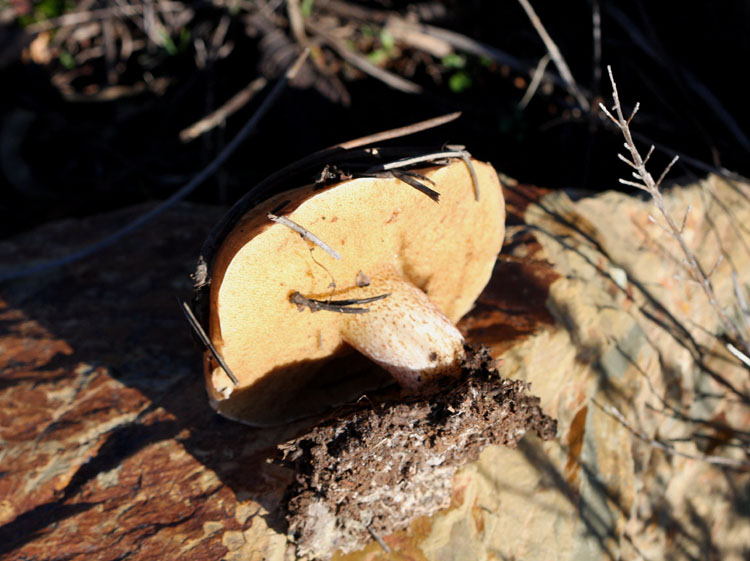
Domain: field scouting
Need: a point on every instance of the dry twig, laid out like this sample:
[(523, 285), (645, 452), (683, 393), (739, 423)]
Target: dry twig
[(536, 79), (646, 182), (474, 47), (360, 62), (557, 58), (237, 101)]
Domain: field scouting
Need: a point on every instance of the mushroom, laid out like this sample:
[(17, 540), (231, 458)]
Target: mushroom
[(389, 274)]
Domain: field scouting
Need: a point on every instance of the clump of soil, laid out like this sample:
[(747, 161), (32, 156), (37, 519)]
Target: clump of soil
[(372, 470)]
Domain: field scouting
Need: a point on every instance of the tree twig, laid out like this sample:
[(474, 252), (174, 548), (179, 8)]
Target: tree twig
[(646, 182), (395, 133), (236, 102), (472, 46), (358, 61), (557, 58), (536, 79)]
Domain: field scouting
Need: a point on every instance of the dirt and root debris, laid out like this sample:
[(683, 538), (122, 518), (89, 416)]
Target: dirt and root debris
[(372, 469)]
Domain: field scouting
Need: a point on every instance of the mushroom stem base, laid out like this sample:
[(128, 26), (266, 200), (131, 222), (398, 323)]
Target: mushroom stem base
[(405, 333)]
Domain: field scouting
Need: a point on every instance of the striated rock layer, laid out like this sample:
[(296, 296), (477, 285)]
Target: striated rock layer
[(109, 450)]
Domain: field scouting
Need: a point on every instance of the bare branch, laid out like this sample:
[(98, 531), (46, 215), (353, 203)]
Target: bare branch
[(432, 157), (466, 157), (633, 184), (416, 160), (296, 22), (719, 261), (554, 52), (691, 264), (536, 79), (607, 113), (666, 171), (648, 155), (635, 110), (413, 179), (656, 223), (398, 132), (360, 62), (684, 218), (472, 46), (624, 159), (78, 18), (236, 102)]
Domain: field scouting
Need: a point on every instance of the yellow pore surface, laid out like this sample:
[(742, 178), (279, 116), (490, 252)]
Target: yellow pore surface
[(446, 249)]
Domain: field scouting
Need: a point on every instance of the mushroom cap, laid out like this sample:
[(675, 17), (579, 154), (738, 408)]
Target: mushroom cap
[(446, 249)]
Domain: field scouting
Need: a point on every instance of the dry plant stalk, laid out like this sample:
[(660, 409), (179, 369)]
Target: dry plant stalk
[(646, 182), (554, 53)]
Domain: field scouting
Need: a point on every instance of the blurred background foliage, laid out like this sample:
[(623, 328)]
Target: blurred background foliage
[(98, 97)]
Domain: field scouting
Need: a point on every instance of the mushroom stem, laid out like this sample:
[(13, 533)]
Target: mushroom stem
[(405, 333)]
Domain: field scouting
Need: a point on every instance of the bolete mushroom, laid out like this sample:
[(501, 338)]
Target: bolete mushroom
[(281, 306)]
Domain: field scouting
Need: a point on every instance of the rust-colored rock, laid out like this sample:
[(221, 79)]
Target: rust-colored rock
[(109, 450)]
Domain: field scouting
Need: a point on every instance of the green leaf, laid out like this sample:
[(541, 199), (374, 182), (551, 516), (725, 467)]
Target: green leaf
[(184, 39), (67, 60), (44, 10), (306, 8), (387, 41), (169, 45), (459, 82), (50, 9), (454, 60), (378, 56)]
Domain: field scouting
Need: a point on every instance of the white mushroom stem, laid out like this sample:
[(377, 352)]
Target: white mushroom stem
[(405, 333)]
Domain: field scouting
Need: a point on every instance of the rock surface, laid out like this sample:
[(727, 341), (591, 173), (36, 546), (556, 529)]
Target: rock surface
[(109, 450)]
